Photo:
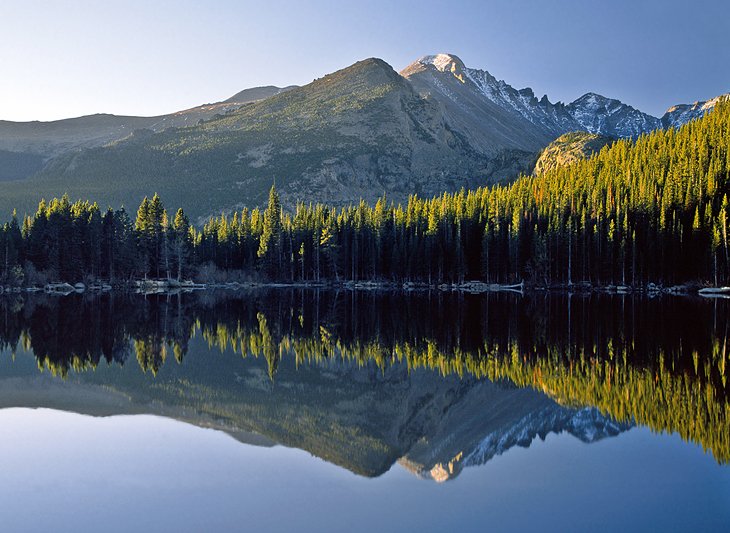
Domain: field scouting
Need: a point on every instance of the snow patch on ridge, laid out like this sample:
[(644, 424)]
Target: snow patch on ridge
[(683, 113), (591, 112)]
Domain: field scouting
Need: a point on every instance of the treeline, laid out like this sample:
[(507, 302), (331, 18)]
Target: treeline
[(651, 210), (74, 241)]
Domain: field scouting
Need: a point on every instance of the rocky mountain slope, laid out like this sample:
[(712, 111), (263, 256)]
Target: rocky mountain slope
[(360, 132), (683, 113), (518, 115), (256, 94), (568, 148)]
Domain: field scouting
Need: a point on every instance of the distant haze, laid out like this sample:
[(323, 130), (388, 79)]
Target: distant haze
[(64, 59)]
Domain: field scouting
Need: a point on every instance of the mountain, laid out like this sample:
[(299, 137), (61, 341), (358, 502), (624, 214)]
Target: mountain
[(683, 113), (49, 139), (490, 114), (597, 114), (517, 115), (256, 94), (360, 132), (627, 122)]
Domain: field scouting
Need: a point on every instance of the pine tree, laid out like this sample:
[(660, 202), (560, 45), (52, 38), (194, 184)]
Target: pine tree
[(181, 241), (143, 231), (269, 243)]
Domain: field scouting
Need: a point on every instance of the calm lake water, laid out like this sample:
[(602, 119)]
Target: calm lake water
[(286, 410)]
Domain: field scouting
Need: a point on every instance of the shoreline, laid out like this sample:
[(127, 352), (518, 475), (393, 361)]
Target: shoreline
[(150, 287)]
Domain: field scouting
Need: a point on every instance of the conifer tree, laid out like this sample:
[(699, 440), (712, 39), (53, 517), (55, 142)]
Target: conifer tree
[(270, 241)]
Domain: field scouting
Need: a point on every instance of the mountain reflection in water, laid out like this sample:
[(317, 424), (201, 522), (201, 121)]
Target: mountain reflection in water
[(433, 381)]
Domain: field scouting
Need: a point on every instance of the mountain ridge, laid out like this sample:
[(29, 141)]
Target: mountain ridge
[(105, 127), (591, 112)]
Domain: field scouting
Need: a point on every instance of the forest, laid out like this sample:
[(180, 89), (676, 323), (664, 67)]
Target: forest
[(650, 210)]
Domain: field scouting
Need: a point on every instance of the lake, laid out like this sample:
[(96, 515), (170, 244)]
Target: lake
[(317, 410)]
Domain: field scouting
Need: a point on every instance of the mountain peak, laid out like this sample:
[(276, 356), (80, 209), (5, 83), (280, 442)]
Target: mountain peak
[(438, 62), (592, 99), (370, 66), (443, 62), (596, 113)]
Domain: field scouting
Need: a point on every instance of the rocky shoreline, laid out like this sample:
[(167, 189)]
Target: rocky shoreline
[(165, 286)]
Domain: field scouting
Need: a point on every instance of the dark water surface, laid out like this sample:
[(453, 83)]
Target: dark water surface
[(327, 411)]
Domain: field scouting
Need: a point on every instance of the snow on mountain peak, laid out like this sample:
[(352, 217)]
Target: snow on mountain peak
[(443, 62), (592, 101), (446, 76)]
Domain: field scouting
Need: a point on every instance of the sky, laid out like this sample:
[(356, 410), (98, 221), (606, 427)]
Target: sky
[(60, 59)]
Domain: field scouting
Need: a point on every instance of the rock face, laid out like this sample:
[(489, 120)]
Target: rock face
[(683, 113), (360, 132), (490, 114), (568, 148)]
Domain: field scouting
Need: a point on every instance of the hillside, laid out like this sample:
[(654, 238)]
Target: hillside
[(50, 139)]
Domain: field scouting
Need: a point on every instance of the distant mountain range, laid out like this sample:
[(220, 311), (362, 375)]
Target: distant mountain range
[(360, 132), (49, 139)]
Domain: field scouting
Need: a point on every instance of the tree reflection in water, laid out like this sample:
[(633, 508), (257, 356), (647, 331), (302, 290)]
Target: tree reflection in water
[(657, 362)]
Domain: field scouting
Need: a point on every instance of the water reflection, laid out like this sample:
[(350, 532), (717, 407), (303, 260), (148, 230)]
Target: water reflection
[(436, 382)]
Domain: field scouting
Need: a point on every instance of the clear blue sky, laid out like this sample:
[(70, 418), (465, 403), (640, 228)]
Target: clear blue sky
[(68, 58)]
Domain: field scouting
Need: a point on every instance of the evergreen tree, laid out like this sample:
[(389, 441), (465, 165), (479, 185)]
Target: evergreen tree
[(270, 241)]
